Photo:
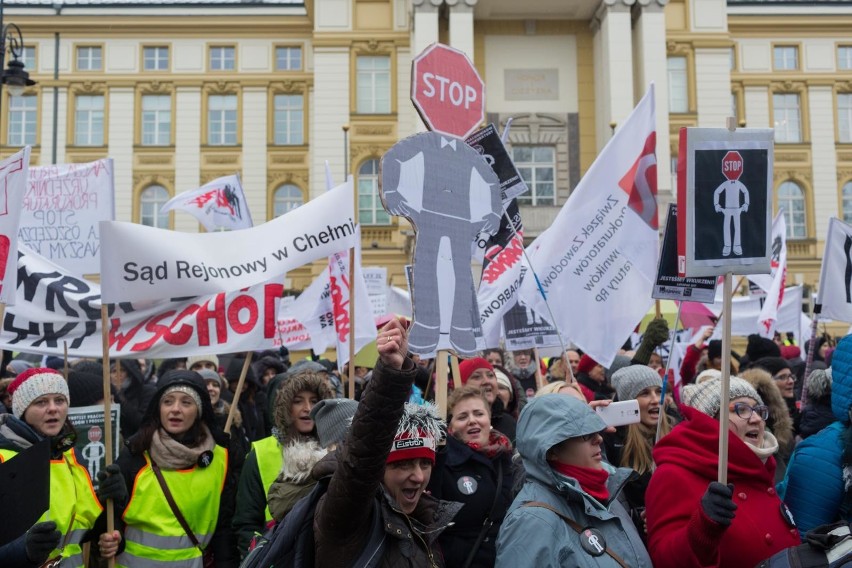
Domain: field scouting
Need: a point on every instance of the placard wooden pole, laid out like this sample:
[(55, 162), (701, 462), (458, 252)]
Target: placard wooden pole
[(441, 380), (108, 457), (65, 362), (454, 367), (352, 294), (239, 391), (726, 381), (658, 311)]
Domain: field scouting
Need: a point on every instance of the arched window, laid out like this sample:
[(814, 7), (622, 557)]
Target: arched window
[(370, 208), (792, 199), (286, 198), (151, 201), (847, 202)]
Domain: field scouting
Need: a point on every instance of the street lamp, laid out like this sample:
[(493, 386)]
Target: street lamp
[(14, 77)]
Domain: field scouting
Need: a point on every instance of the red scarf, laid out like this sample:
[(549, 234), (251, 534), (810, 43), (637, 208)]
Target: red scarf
[(591, 480), (497, 444)]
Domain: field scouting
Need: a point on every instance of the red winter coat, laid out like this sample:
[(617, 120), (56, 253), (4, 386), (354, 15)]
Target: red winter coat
[(680, 535)]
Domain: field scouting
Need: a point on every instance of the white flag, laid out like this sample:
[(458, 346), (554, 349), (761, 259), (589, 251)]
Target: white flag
[(314, 311), (598, 259), (218, 204), (13, 187), (835, 277), (774, 282)]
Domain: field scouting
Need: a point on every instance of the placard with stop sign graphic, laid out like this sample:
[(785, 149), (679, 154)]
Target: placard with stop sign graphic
[(725, 188), (447, 91)]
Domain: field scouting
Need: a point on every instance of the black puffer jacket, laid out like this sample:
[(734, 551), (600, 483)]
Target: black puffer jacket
[(343, 522), (134, 396)]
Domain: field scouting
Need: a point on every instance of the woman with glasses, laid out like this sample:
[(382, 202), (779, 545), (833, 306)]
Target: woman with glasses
[(694, 521), (568, 512)]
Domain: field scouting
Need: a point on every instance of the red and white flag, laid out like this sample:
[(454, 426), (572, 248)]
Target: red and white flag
[(598, 260), (774, 282), (13, 188), (218, 204)]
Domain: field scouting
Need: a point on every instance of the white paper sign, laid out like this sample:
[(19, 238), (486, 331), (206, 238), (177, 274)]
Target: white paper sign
[(13, 185)]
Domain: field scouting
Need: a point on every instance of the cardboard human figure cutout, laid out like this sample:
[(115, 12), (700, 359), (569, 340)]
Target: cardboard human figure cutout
[(447, 191)]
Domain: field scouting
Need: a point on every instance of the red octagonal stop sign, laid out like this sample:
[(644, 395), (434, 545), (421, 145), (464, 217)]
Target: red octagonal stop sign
[(447, 91), (732, 165)]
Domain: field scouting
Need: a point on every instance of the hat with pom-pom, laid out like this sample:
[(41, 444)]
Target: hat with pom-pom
[(418, 433), (34, 383)]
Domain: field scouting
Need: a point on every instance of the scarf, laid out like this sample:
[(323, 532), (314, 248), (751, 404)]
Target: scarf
[(591, 480), (770, 446), (497, 444), (171, 454)]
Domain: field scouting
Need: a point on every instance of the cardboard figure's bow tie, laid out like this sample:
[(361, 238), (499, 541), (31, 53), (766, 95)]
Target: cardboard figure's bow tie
[(450, 143)]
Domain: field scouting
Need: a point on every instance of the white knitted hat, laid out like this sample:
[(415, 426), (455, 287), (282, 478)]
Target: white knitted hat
[(707, 397), (34, 383)]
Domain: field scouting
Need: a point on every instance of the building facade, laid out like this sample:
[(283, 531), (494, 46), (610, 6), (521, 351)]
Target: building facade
[(179, 93)]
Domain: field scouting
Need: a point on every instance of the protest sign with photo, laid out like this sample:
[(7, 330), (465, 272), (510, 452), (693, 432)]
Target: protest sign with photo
[(88, 422), (669, 285), (487, 142), (62, 209), (525, 329)]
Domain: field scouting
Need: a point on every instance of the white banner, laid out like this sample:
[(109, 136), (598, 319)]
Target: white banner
[(55, 307), (13, 186), (773, 283), (142, 263), (746, 310), (62, 208), (291, 333), (218, 204), (835, 277), (600, 253)]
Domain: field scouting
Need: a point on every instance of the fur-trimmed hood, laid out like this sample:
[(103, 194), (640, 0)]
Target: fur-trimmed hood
[(779, 422), (299, 459), (293, 385)]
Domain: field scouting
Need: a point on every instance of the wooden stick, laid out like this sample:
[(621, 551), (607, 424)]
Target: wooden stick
[(352, 323), (108, 457), (454, 365), (658, 311), (236, 400), (441, 383), (726, 383), (539, 378), (65, 364)]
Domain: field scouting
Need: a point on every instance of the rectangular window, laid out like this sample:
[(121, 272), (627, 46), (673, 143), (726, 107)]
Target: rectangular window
[(289, 113), (222, 120), (788, 126), (156, 58), (537, 166), (786, 57), (89, 120), (373, 80), (222, 58), (27, 56), (844, 117), (844, 57), (89, 58), (288, 58), (156, 120), (678, 87), (22, 120)]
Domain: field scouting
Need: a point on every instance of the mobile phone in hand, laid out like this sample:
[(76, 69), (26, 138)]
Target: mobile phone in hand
[(620, 413)]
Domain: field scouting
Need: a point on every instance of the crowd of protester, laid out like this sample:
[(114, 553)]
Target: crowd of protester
[(524, 470)]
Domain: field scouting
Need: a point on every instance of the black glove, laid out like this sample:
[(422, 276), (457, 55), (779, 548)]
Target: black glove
[(41, 539), (718, 503), (111, 485), (656, 334)]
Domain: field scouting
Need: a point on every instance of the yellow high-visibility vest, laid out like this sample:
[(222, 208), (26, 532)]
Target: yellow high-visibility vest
[(71, 497), (270, 460), (153, 536)]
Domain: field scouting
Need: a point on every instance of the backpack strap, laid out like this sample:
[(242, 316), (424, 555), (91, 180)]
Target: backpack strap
[(574, 525)]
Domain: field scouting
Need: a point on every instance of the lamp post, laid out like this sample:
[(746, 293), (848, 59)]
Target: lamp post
[(15, 77)]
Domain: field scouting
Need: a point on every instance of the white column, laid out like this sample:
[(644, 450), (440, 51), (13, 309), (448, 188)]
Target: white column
[(613, 54), (254, 152), (461, 25), (757, 107), (408, 121), (120, 149), (187, 149), (824, 156), (425, 24), (650, 40), (47, 125), (713, 86), (330, 111)]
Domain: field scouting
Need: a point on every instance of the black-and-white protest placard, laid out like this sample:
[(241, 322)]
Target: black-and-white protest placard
[(725, 192), (88, 422), (487, 142), (62, 208), (669, 285), (525, 329)]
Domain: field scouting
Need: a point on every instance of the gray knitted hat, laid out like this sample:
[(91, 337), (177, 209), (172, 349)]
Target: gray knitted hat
[(333, 417), (211, 375), (819, 384), (707, 396), (630, 381)]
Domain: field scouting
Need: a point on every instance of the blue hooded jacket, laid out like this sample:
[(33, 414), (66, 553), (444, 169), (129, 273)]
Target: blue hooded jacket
[(535, 536), (813, 488)]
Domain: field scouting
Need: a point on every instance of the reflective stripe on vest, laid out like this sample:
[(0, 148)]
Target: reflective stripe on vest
[(71, 495), (270, 460), (154, 537)]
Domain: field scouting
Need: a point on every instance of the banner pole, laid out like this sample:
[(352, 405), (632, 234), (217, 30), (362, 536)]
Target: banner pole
[(666, 374), (441, 382), (108, 457), (810, 359), (65, 361), (726, 383), (239, 390)]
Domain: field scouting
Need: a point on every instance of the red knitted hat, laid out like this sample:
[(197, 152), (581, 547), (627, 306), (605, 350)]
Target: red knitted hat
[(468, 366), (586, 364), (417, 435), (34, 383)]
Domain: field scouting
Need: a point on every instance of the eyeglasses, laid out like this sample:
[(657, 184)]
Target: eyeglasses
[(745, 411), (783, 376)]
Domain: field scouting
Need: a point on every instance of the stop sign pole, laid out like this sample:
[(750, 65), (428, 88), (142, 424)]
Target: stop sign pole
[(447, 92)]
